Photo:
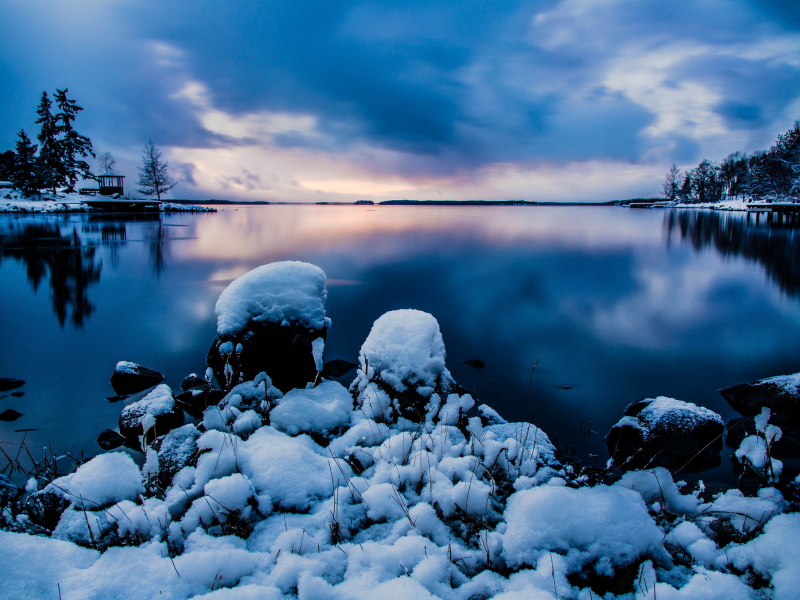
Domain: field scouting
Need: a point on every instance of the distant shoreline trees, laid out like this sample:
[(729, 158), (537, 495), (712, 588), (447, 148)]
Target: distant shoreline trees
[(764, 176), (57, 160)]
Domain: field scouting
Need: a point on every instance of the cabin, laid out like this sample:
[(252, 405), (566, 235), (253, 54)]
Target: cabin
[(110, 184)]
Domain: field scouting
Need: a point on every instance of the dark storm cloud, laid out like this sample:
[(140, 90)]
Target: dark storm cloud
[(469, 83)]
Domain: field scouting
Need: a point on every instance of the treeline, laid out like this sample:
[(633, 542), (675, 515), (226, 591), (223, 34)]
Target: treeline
[(57, 160), (764, 176)]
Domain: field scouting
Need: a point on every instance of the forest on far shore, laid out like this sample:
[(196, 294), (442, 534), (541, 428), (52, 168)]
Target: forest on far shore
[(764, 176)]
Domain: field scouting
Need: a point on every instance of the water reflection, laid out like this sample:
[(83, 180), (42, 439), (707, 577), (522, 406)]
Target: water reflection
[(70, 265), (773, 244)]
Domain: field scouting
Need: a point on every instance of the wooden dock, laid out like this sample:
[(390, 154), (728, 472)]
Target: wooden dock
[(778, 213), (122, 205)]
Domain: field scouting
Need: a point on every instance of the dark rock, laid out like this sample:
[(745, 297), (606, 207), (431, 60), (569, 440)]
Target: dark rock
[(474, 363), (25, 430), (129, 378), (337, 368), (283, 352), (176, 450), (780, 394), (158, 407), (10, 415), (192, 381), (198, 398), (786, 447), (566, 387), (110, 439), (665, 432), (117, 398), (6, 383), (18, 394)]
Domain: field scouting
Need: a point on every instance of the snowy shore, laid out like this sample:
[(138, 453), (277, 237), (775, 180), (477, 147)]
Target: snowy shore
[(13, 202), (401, 486)]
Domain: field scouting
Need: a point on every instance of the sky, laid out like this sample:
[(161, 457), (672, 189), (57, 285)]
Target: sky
[(332, 101)]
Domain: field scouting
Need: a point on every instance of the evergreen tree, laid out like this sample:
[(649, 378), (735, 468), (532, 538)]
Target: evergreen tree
[(687, 188), (49, 162), (154, 178), (26, 176), (73, 145), (672, 183)]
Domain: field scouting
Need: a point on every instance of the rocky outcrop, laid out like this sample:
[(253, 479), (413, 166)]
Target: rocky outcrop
[(152, 416), (7, 383), (665, 432), (129, 378), (271, 319), (780, 394)]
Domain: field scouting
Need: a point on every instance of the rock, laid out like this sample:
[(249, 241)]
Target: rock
[(18, 394), (192, 381), (490, 416), (198, 398), (786, 447), (474, 363), (117, 398), (780, 394), (269, 320), (129, 378), (110, 439), (176, 450), (337, 368), (154, 415), (7, 383), (402, 371), (10, 415), (665, 432)]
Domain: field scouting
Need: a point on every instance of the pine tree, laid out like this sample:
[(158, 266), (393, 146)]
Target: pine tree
[(49, 162), (154, 178), (73, 145), (26, 176)]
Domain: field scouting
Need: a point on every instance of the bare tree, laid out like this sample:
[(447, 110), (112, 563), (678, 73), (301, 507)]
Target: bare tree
[(106, 162), (154, 178), (672, 183)]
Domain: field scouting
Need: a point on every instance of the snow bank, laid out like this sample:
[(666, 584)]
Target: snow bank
[(281, 293), (321, 410)]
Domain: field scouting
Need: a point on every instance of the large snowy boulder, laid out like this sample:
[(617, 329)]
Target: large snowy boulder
[(152, 416), (129, 378), (666, 432), (780, 394), (402, 368), (271, 319)]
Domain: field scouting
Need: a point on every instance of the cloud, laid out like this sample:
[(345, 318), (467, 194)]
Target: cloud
[(333, 99)]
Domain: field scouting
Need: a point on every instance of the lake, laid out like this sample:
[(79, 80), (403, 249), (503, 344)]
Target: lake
[(615, 304)]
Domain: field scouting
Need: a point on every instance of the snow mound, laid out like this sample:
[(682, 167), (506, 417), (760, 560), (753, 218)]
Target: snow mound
[(321, 410), (283, 293), (103, 480), (606, 524), (405, 348), (664, 413)]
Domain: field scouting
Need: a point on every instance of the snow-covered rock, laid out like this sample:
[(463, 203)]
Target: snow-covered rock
[(103, 480), (129, 378), (779, 394), (269, 320), (664, 431), (320, 410), (402, 368), (152, 416)]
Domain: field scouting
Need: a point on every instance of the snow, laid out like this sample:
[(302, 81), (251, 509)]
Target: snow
[(322, 409), (302, 496), (404, 349), (103, 480), (317, 348), (158, 402), (14, 201), (668, 413), (282, 292), (605, 524), (124, 366), (789, 383)]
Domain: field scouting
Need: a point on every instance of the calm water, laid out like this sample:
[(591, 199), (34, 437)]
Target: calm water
[(618, 303)]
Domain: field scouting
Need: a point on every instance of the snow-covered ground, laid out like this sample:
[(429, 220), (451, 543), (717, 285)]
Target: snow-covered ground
[(12, 201), (326, 492)]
